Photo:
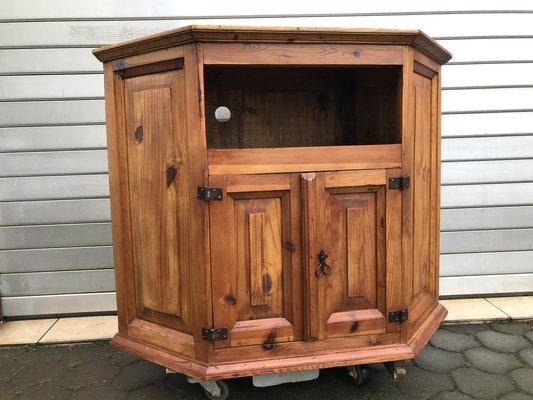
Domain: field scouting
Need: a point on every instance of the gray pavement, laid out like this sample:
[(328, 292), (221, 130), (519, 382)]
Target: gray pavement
[(477, 361)]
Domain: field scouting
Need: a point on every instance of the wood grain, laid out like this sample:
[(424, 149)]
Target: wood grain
[(301, 54), (303, 159), (252, 265), (354, 214), (304, 166), (345, 355), (116, 154), (207, 33), (258, 268), (395, 279), (361, 249), (407, 198), (422, 193), (301, 106), (421, 336)]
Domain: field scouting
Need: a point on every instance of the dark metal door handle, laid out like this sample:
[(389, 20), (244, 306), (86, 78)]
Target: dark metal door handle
[(323, 268)]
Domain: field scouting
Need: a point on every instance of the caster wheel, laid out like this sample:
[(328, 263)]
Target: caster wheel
[(360, 374), (224, 391)]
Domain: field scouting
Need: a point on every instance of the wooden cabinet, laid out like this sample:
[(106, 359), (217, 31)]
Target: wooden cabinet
[(301, 232)]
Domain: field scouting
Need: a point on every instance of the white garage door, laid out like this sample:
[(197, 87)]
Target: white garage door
[(55, 230)]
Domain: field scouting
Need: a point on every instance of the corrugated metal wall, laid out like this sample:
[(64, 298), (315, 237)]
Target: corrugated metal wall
[(55, 231)]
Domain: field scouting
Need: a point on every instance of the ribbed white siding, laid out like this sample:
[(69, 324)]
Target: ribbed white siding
[(55, 242)]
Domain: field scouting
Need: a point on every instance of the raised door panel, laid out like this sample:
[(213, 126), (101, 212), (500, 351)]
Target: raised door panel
[(156, 178), (252, 257), (352, 228)]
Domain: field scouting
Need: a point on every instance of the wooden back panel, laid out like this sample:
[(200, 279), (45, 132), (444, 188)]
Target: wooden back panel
[(302, 107)]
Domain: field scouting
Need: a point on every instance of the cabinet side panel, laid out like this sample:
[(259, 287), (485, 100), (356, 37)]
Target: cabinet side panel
[(423, 288), (114, 91), (421, 186)]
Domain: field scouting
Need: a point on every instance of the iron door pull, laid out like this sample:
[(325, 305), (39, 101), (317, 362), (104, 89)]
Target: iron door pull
[(323, 268)]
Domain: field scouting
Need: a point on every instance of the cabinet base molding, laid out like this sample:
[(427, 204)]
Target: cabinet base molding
[(321, 359)]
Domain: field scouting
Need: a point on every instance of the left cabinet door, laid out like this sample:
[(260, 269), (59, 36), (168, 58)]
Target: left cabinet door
[(152, 175), (254, 246)]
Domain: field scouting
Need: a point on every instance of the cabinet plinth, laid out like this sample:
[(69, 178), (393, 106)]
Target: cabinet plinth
[(274, 196)]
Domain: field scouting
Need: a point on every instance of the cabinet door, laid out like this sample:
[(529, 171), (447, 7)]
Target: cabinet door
[(252, 253), (354, 219)]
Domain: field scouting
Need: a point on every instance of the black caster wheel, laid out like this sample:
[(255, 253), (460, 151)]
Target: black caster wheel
[(224, 392), (360, 374)]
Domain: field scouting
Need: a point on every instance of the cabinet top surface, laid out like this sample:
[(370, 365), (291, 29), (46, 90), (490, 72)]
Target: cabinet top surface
[(249, 34)]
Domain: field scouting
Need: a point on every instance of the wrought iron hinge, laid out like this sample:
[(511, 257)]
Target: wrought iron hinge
[(213, 334), (208, 194), (399, 182), (398, 316)]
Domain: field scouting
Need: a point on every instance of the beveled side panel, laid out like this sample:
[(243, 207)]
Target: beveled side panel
[(159, 219), (423, 289)]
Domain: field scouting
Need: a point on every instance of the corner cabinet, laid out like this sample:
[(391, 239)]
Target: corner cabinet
[(274, 196)]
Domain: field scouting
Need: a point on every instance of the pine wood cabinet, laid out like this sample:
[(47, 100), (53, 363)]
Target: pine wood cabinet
[(300, 233)]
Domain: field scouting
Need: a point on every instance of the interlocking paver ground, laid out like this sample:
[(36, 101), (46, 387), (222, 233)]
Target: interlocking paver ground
[(524, 378), (463, 362), (492, 361), (516, 396), (502, 341), (451, 341)]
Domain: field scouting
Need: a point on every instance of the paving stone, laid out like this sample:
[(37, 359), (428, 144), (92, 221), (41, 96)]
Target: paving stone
[(511, 328), (467, 329), (87, 352), (48, 391), (389, 396), (46, 371), (529, 335), (121, 358), (452, 341), (380, 382), (284, 392), (102, 391), (454, 395), (158, 392), (479, 384), (35, 354), (6, 390), (527, 355), (502, 341), (293, 391), (491, 361), (524, 378), (516, 396), (422, 383), (139, 374), (89, 373), (9, 367), (437, 360)]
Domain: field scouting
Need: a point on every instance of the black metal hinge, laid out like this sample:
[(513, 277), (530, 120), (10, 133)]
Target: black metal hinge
[(398, 316), (208, 194), (399, 182), (213, 334)]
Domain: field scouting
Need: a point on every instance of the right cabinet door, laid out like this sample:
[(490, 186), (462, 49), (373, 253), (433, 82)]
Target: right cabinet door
[(352, 231)]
